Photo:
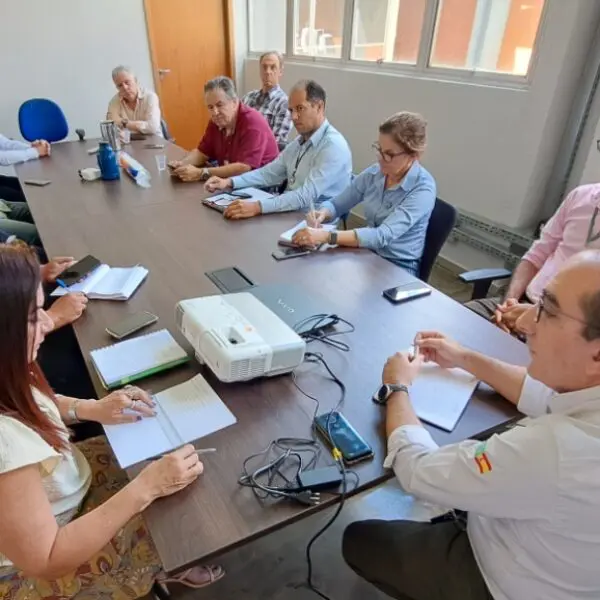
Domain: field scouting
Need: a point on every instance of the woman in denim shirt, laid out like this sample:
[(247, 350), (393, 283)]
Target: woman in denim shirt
[(397, 195)]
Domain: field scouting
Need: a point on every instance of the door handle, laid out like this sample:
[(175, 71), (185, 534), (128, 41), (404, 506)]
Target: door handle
[(163, 72)]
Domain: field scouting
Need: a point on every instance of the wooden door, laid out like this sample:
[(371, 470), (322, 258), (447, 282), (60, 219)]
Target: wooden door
[(190, 43)]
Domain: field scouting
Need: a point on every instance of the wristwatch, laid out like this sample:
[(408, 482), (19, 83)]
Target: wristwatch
[(333, 236), (204, 175), (382, 395), (72, 412)]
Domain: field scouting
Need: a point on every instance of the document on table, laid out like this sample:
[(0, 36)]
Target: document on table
[(185, 413), (440, 396), (285, 239), (225, 199)]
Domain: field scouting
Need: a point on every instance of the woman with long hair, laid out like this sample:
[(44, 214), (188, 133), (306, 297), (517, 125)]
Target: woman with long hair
[(70, 524)]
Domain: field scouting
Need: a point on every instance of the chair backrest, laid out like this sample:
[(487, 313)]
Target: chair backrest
[(42, 119), (441, 223), (165, 130)]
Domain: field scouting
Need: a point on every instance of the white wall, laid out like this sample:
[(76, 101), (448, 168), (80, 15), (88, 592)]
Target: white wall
[(491, 149), (65, 50)]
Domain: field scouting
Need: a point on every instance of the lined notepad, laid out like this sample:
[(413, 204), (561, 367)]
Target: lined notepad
[(185, 413), (106, 283), (440, 396), (136, 358), (285, 239)]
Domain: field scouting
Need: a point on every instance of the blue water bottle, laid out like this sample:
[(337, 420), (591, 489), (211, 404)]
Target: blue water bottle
[(107, 161)]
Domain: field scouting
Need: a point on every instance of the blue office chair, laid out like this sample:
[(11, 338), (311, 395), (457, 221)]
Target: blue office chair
[(42, 119), (442, 221)]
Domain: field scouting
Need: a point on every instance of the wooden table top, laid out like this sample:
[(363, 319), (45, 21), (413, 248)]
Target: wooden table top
[(168, 230)]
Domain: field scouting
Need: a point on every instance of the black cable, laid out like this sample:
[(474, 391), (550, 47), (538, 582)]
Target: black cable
[(320, 330)]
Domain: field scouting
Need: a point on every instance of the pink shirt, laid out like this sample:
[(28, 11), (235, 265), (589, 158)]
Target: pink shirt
[(574, 227)]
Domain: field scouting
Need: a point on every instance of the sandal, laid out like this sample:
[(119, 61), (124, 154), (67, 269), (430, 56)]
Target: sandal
[(215, 572)]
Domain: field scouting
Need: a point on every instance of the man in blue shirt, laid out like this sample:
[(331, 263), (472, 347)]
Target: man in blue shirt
[(397, 194), (317, 164)]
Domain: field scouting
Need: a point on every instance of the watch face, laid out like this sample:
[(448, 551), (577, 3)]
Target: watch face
[(382, 394)]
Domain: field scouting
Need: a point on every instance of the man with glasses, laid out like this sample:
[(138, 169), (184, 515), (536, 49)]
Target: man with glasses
[(397, 194), (317, 165), (574, 227), (532, 493)]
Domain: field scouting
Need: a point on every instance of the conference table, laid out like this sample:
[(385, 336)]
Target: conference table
[(168, 230)]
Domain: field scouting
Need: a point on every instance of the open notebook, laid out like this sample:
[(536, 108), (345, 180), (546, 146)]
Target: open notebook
[(285, 239), (185, 413), (221, 201), (440, 396), (108, 283), (140, 357)]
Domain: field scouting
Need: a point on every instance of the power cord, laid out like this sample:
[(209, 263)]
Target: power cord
[(320, 330)]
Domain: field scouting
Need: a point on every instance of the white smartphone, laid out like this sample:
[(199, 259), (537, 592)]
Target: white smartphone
[(131, 324)]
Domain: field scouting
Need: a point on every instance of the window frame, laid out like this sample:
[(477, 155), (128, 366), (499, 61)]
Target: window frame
[(422, 69)]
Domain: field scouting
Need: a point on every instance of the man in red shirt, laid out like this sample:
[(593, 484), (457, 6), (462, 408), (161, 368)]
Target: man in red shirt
[(238, 138)]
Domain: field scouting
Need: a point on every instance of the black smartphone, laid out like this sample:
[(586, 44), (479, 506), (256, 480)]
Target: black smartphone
[(349, 442), (241, 195), (291, 252), (131, 324), (37, 182), (79, 270), (410, 291)]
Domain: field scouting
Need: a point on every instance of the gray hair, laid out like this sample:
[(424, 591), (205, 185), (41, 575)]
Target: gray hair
[(221, 83), (408, 130), (272, 53), (121, 69)]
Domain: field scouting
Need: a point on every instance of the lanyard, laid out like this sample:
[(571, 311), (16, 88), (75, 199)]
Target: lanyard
[(301, 156)]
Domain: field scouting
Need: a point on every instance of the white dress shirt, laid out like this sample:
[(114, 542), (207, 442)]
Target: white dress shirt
[(146, 110), (533, 494), (13, 151)]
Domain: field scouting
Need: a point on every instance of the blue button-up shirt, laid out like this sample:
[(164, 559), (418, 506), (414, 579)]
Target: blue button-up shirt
[(13, 151), (316, 171), (396, 218)]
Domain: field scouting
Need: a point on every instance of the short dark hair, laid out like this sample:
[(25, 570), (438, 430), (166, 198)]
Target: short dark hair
[(221, 83), (590, 305), (314, 92)]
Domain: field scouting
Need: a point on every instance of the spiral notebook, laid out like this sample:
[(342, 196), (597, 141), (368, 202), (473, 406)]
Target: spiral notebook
[(134, 359)]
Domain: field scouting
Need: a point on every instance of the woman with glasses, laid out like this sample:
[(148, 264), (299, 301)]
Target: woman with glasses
[(397, 195)]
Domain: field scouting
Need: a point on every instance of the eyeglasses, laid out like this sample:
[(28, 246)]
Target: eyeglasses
[(542, 307), (386, 155)]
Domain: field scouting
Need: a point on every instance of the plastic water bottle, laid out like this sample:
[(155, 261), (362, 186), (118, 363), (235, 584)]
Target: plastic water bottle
[(140, 176), (107, 161)]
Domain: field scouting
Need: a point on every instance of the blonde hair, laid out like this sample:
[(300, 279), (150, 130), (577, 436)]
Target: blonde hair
[(408, 130)]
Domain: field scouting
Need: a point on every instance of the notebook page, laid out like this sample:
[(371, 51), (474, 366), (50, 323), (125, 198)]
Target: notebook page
[(194, 409), (287, 236), (440, 396), (136, 355), (86, 284), (134, 442), (119, 282)]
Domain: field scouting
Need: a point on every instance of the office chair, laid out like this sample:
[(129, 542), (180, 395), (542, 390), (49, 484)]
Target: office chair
[(442, 221), (165, 131), (42, 119)]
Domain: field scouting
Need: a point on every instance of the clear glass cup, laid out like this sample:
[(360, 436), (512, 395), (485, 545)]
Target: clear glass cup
[(161, 162), (125, 136)]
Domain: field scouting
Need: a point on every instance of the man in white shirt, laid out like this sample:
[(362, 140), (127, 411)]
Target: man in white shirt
[(134, 107), (532, 493)]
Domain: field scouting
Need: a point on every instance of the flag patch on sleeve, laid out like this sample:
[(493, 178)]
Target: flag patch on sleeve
[(481, 459)]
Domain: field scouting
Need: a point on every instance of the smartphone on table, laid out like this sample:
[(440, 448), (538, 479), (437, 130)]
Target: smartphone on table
[(79, 270), (337, 431), (290, 252), (37, 182), (131, 324), (409, 291)]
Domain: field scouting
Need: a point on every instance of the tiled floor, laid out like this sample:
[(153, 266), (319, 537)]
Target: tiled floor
[(274, 568)]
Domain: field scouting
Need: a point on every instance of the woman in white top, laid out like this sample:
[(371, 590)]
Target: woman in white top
[(70, 524), (134, 107)]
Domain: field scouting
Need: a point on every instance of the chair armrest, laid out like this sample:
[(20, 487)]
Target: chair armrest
[(484, 275), (482, 280)]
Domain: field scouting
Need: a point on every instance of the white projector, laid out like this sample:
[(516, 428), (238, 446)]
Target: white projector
[(238, 337)]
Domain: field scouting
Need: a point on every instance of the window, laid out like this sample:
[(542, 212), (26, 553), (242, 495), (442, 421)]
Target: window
[(318, 27), (267, 25), (387, 30), (481, 36), (486, 35)]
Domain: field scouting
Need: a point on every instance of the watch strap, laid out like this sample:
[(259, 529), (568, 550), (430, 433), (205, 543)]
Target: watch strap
[(333, 238)]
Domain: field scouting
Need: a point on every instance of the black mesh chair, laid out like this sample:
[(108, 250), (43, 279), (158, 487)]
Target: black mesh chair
[(442, 221), (165, 131)]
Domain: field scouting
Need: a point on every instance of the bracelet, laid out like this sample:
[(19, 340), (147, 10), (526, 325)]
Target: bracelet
[(72, 412)]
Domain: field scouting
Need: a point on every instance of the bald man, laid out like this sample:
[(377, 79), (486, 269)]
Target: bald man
[(532, 493)]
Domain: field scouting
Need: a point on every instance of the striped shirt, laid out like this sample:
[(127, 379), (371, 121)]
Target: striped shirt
[(273, 105)]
